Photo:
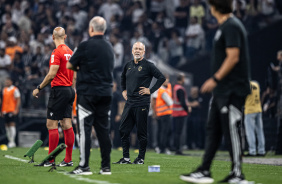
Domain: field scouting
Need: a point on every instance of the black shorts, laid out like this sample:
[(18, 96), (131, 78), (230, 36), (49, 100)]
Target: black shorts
[(60, 103), (9, 117)]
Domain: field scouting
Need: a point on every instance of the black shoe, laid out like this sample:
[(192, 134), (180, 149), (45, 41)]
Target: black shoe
[(46, 164), (249, 155), (81, 171), (138, 161), (65, 164), (260, 155), (122, 161), (105, 171), (179, 153), (197, 176), (231, 178)]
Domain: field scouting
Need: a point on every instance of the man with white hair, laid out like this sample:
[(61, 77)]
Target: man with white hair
[(94, 63), (135, 81)]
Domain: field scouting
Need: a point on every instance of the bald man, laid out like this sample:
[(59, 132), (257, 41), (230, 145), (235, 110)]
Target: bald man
[(61, 97), (136, 78)]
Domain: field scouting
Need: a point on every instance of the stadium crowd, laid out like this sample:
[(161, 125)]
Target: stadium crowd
[(175, 31)]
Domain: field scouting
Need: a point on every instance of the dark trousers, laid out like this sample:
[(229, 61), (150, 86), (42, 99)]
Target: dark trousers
[(134, 116), (194, 132), (94, 111), (178, 128), (225, 116), (278, 150), (163, 129)]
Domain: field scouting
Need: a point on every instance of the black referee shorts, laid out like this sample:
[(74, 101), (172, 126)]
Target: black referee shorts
[(60, 103), (9, 117)]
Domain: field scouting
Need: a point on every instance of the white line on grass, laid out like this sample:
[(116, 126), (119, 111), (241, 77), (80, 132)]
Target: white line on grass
[(76, 177), (16, 158)]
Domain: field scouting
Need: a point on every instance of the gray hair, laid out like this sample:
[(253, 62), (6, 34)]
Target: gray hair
[(140, 43), (98, 24)]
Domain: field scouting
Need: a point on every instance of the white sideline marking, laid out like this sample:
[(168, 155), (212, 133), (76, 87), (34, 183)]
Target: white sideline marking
[(16, 158), (76, 177)]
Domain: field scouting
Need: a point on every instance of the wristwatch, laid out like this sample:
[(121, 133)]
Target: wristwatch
[(38, 87)]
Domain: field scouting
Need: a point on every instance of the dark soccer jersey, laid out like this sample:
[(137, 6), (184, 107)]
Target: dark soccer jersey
[(139, 75), (231, 34)]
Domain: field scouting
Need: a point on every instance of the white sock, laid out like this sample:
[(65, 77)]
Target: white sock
[(13, 133), (8, 133), (126, 159)]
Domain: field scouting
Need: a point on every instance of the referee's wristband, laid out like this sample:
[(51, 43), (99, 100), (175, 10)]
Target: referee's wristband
[(215, 79)]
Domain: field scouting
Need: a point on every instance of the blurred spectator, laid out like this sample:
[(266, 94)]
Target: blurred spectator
[(5, 63), (118, 50), (194, 38), (267, 10), (269, 102), (10, 28), (110, 8), (24, 22), (12, 47), (197, 10), (239, 12), (136, 11), (182, 16), (80, 17), (155, 36), (39, 42), (162, 109), (253, 121), (156, 7), (194, 124), (210, 26), (175, 48), (180, 112), (10, 108), (3, 39), (17, 69), (17, 13), (116, 111), (137, 37)]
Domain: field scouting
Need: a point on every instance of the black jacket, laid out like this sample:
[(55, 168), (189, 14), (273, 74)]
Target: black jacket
[(139, 75), (95, 59)]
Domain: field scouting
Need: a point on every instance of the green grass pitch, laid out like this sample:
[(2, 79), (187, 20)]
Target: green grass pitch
[(19, 172)]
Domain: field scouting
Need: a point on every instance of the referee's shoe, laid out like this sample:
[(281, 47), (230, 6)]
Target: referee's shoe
[(123, 161)]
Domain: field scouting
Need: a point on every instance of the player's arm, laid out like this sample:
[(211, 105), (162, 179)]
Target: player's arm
[(18, 100), (123, 81), (48, 78), (77, 57)]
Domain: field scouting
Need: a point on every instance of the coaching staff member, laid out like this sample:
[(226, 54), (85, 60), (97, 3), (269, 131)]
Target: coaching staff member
[(230, 86), (94, 62), (61, 97), (135, 81)]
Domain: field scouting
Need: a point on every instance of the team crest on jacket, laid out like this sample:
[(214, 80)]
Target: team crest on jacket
[(139, 68)]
